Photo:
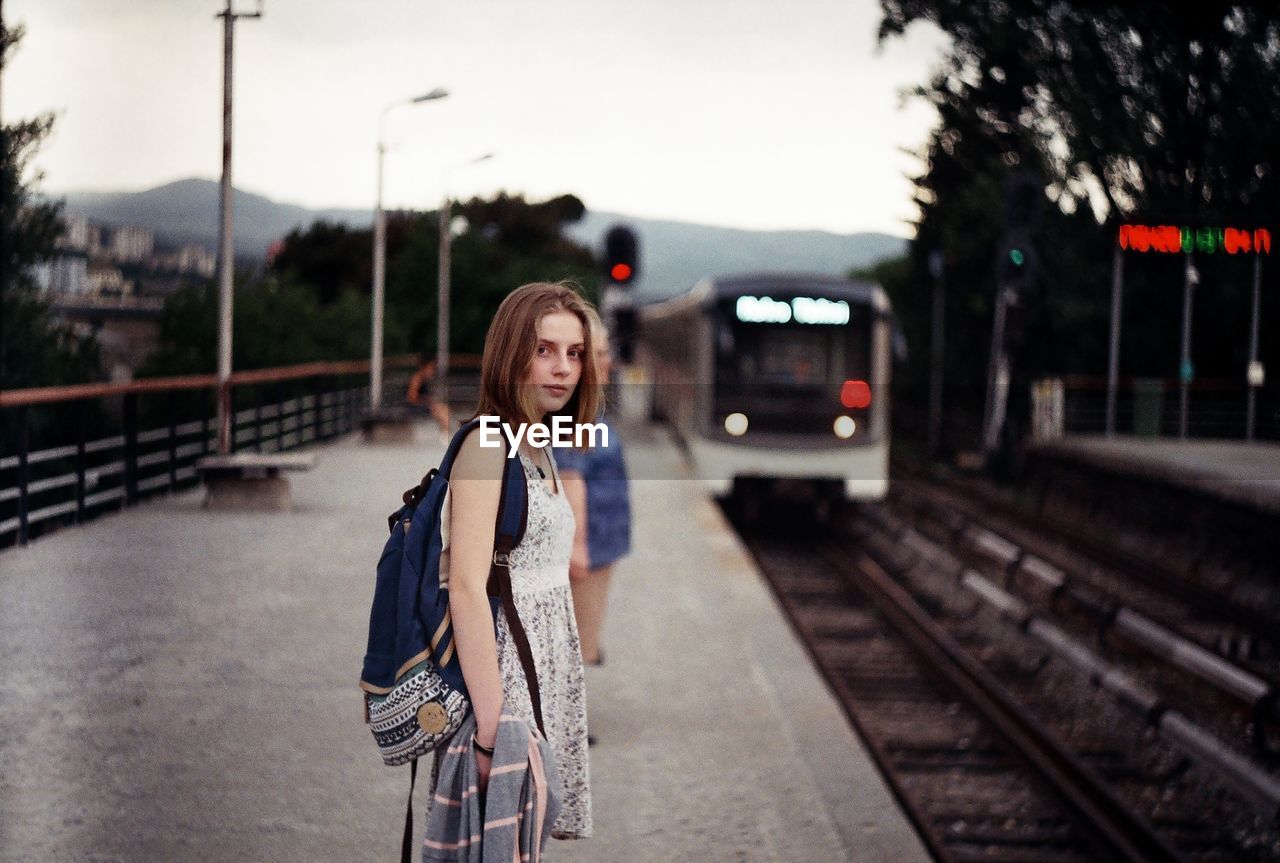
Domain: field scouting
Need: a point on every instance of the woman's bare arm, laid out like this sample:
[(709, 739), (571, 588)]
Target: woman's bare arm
[(575, 489), (475, 486)]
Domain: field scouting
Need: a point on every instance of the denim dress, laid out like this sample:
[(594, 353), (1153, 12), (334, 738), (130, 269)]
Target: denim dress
[(608, 499)]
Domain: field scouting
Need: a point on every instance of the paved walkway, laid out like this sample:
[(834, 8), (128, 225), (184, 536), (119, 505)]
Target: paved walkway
[(180, 684), (1244, 472)]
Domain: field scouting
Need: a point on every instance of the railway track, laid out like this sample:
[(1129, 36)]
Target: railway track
[(1254, 622), (1150, 621), (993, 747)]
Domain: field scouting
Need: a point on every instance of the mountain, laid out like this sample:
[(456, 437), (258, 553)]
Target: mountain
[(186, 211), (673, 255), (676, 255)]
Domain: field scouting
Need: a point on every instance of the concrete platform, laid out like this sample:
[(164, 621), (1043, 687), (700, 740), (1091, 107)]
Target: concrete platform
[(181, 684), (1207, 508), (1235, 471)]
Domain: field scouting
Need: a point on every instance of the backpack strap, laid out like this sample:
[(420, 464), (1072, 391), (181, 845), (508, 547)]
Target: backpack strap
[(406, 844), (508, 530), (412, 497), (512, 520)]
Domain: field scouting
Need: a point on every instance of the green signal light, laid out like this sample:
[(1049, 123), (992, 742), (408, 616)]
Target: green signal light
[(1017, 257)]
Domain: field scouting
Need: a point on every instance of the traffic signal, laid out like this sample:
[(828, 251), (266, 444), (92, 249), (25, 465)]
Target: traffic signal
[(1023, 202), (1015, 264), (621, 256)]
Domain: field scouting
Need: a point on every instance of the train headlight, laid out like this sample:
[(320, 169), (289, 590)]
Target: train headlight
[(736, 424), (845, 427)]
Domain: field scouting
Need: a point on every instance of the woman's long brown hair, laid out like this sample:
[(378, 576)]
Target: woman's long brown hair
[(508, 352)]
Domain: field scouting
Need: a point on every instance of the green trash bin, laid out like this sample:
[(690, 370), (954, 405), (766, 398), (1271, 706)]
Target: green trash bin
[(1148, 406)]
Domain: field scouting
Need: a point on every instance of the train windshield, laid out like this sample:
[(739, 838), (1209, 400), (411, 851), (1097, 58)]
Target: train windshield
[(787, 376)]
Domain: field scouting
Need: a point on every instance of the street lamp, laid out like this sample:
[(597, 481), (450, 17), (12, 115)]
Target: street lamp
[(442, 288), (380, 252)]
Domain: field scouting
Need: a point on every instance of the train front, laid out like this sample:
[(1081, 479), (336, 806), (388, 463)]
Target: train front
[(800, 394)]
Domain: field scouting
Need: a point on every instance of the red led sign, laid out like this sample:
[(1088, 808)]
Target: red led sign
[(1171, 239)]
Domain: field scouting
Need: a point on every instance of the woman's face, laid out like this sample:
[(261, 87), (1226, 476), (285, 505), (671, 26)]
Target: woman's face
[(557, 360)]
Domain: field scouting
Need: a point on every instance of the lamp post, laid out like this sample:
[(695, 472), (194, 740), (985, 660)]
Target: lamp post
[(443, 288), (380, 252), (226, 243)]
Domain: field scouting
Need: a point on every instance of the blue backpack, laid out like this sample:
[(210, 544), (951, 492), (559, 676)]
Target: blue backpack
[(415, 695)]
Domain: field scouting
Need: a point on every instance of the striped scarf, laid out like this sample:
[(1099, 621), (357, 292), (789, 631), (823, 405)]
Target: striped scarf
[(512, 821)]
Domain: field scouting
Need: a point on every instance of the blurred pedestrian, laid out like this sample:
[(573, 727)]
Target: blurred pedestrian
[(420, 394), (595, 481)]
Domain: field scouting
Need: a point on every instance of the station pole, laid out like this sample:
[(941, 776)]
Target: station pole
[(936, 264), (1184, 368), (379, 288), (442, 304), (378, 313), (1251, 391), (997, 376), (226, 244), (1113, 356)]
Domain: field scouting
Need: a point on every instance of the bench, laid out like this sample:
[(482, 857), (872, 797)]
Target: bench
[(250, 480)]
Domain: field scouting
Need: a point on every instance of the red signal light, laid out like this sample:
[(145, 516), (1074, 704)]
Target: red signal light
[(620, 272), (855, 394)]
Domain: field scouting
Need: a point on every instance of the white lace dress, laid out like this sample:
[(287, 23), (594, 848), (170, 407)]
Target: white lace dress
[(540, 587)]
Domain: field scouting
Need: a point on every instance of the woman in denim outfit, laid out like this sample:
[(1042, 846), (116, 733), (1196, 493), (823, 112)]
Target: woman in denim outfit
[(595, 482)]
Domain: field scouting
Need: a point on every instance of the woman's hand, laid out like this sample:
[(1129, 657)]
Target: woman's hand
[(484, 764)]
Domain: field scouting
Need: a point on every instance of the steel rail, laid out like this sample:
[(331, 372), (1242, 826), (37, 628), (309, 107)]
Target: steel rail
[(1260, 695), (1118, 559), (1127, 834)]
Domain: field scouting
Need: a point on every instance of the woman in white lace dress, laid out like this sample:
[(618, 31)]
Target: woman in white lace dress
[(534, 367)]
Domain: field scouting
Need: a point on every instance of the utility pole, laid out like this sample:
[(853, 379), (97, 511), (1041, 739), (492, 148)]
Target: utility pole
[(226, 239), (1113, 351), (444, 289), (4, 38), (1014, 267), (1253, 378), (4, 50), (1186, 371), (937, 263), (442, 305)]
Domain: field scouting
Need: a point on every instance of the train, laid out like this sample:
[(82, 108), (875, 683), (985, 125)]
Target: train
[(776, 384)]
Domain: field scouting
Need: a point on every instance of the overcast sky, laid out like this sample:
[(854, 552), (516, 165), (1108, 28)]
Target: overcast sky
[(747, 113)]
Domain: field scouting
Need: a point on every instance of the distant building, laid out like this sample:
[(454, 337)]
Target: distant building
[(195, 258), (106, 279), (77, 234), (67, 274), (132, 245)]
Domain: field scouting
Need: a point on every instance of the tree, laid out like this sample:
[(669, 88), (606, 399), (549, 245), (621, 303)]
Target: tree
[(1152, 111), (1153, 106), (509, 242), (34, 349), (314, 304)]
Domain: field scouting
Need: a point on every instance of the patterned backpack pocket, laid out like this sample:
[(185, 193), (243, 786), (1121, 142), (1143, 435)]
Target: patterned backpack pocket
[(416, 716)]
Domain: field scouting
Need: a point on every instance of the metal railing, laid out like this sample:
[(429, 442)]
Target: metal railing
[(76, 452), (1150, 407)]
